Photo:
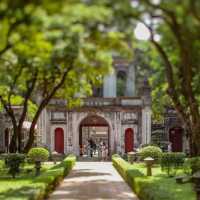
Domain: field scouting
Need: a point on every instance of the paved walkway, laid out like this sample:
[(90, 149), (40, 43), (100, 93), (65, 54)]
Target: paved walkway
[(93, 181)]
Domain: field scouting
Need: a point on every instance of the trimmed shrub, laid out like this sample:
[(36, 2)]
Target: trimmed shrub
[(192, 165), (42, 185), (54, 176), (150, 188), (150, 144), (139, 182), (121, 165), (172, 161), (13, 162), (151, 151), (38, 155)]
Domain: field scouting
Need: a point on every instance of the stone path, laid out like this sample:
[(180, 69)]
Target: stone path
[(93, 181)]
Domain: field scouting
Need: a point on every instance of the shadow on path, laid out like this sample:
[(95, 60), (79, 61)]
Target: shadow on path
[(93, 181)]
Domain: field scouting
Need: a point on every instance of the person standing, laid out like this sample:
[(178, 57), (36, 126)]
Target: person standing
[(104, 152), (169, 147), (91, 146), (100, 149)]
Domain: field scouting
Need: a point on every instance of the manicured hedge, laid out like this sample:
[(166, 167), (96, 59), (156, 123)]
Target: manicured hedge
[(172, 161), (46, 182), (150, 151), (151, 188)]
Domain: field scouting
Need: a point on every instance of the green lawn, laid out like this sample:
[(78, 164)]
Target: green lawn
[(164, 183), (16, 189), (157, 187)]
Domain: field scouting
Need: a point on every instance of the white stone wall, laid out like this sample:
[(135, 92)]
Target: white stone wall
[(109, 85), (130, 83), (72, 124)]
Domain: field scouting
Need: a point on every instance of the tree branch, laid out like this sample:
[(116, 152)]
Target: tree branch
[(42, 105), (28, 94)]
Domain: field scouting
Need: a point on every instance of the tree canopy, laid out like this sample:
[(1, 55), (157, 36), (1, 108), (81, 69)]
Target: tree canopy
[(174, 28), (52, 49)]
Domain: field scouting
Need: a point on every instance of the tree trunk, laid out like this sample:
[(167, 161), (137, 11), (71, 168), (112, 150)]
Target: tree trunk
[(196, 139), (13, 143), (43, 104), (31, 138), (32, 128), (19, 145)]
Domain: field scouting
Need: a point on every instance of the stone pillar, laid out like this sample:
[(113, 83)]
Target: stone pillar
[(146, 125), (145, 92), (109, 85), (42, 128), (130, 83), (69, 133)]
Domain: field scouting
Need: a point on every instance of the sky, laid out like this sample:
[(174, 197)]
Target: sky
[(141, 32)]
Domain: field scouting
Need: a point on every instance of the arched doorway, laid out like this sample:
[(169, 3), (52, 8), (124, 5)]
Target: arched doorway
[(96, 128), (176, 138), (59, 140), (129, 140)]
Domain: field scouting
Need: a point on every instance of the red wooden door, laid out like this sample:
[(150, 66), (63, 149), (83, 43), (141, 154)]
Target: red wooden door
[(59, 140), (129, 137), (175, 137)]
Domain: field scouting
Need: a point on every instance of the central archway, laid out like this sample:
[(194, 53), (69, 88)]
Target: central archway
[(96, 128)]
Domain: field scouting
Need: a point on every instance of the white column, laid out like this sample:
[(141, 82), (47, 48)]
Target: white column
[(146, 125), (109, 85)]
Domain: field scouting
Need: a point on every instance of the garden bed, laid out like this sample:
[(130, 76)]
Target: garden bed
[(27, 186), (157, 187)]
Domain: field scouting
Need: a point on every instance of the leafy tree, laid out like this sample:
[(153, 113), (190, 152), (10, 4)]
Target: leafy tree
[(51, 49), (174, 29)]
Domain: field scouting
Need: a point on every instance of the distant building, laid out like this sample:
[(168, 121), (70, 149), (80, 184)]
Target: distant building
[(171, 130), (118, 113), (6, 129), (175, 131), (115, 115)]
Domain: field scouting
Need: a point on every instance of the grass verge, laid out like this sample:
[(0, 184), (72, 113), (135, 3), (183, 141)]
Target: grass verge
[(156, 187), (29, 187)]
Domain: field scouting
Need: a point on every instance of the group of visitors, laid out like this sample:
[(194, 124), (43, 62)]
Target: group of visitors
[(92, 149)]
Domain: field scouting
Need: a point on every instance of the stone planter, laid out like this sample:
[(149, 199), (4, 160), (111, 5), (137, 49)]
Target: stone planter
[(131, 157), (149, 162)]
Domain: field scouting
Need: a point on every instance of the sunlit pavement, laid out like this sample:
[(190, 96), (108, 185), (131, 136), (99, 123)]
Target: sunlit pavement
[(93, 181)]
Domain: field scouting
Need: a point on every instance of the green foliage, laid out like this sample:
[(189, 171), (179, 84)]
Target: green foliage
[(50, 179), (150, 151), (157, 187), (54, 49), (192, 165), (27, 186), (170, 162), (121, 165), (38, 154), (159, 86), (1, 164), (150, 144), (13, 162)]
